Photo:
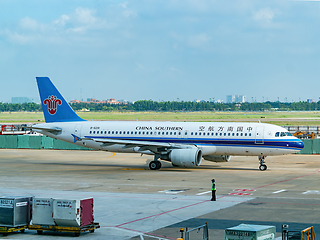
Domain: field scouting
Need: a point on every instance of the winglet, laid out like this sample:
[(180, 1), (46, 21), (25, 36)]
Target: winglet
[(55, 107)]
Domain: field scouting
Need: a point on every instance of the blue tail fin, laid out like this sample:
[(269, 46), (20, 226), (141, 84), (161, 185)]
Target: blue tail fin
[(55, 108)]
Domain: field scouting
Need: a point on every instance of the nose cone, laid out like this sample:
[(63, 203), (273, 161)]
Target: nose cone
[(300, 144)]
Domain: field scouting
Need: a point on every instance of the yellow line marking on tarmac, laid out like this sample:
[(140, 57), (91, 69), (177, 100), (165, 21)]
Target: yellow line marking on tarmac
[(53, 170), (133, 169), (112, 155)]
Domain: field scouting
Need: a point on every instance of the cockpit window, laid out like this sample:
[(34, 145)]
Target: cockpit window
[(282, 134)]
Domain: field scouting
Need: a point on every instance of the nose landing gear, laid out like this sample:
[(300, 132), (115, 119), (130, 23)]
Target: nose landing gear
[(262, 166)]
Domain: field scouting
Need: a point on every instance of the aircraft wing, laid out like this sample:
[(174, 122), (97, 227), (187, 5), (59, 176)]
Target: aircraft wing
[(132, 143)]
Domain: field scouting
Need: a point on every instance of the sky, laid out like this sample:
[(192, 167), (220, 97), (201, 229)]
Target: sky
[(162, 50)]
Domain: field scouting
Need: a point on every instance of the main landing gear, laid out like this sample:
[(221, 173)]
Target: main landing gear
[(262, 166), (155, 164)]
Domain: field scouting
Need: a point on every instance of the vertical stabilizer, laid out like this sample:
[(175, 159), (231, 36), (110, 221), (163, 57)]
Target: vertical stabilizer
[(55, 108)]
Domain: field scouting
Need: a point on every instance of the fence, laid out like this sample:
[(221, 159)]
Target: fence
[(311, 146), (36, 142)]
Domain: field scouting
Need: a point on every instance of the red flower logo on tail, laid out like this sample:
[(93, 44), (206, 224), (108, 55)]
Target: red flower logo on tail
[(52, 102)]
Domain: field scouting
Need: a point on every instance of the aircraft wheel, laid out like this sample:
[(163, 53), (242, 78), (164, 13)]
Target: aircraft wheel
[(263, 167), (158, 164), (153, 165)]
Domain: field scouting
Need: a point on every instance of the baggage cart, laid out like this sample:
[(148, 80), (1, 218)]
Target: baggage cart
[(4, 230), (76, 230)]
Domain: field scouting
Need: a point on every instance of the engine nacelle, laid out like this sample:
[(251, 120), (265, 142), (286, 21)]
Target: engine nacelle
[(217, 158), (190, 157)]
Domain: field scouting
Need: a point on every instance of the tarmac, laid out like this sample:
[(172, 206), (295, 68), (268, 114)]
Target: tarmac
[(133, 202)]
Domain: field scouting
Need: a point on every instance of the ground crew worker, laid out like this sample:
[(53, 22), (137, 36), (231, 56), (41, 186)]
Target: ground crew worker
[(213, 198)]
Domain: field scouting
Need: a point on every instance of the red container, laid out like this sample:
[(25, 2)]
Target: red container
[(73, 213)]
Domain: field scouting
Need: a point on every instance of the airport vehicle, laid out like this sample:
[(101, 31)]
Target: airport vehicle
[(184, 144), (305, 135)]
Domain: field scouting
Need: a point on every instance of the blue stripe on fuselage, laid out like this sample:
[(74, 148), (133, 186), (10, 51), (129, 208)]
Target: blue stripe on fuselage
[(269, 143)]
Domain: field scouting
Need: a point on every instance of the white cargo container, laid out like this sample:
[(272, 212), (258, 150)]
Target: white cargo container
[(42, 210), (73, 213), (15, 211), (250, 232)]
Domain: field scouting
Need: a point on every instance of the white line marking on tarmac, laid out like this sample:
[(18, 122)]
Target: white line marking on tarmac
[(283, 190), (203, 193), (311, 192)]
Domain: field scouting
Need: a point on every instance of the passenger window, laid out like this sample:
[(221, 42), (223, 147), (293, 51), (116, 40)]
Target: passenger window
[(128, 132), (135, 133), (167, 133), (191, 133), (150, 133), (228, 134), (277, 134), (142, 132), (147, 133), (241, 134), (175, 133), (199, 133), (224, 134), (139, 133), (220, 134), (105, 132), (216, 134), (184, 133), (195, 133), (232, 134), (237, 134), (94, 132), (162, 133), (131, 132), (109, 132), (116, 132), (249, 134), (170, 133), (120, 132), (245, 134), (90, 132)]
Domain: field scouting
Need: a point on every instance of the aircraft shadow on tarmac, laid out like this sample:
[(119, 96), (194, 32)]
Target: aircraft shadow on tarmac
[(165, 167)]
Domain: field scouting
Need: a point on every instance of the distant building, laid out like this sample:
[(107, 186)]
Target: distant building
[(93, 100), (236, 98), (309, 100), (20, 100)]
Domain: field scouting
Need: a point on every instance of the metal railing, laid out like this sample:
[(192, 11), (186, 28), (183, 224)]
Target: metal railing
[(306, 234), (195, 231)]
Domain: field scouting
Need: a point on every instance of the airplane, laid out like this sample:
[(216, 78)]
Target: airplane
[(184, 144)]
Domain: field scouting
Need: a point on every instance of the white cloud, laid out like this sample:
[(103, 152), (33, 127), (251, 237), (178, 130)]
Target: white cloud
[(85, 16), (62, 20), (29, 24), (199, 40), (127, 12), (265, 15), (19, 38)]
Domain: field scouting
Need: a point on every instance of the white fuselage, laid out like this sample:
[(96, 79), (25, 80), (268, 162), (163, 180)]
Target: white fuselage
[(213, 138)]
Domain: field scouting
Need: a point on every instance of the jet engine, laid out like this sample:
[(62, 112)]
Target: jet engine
[(190, 157), (217, 158)]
